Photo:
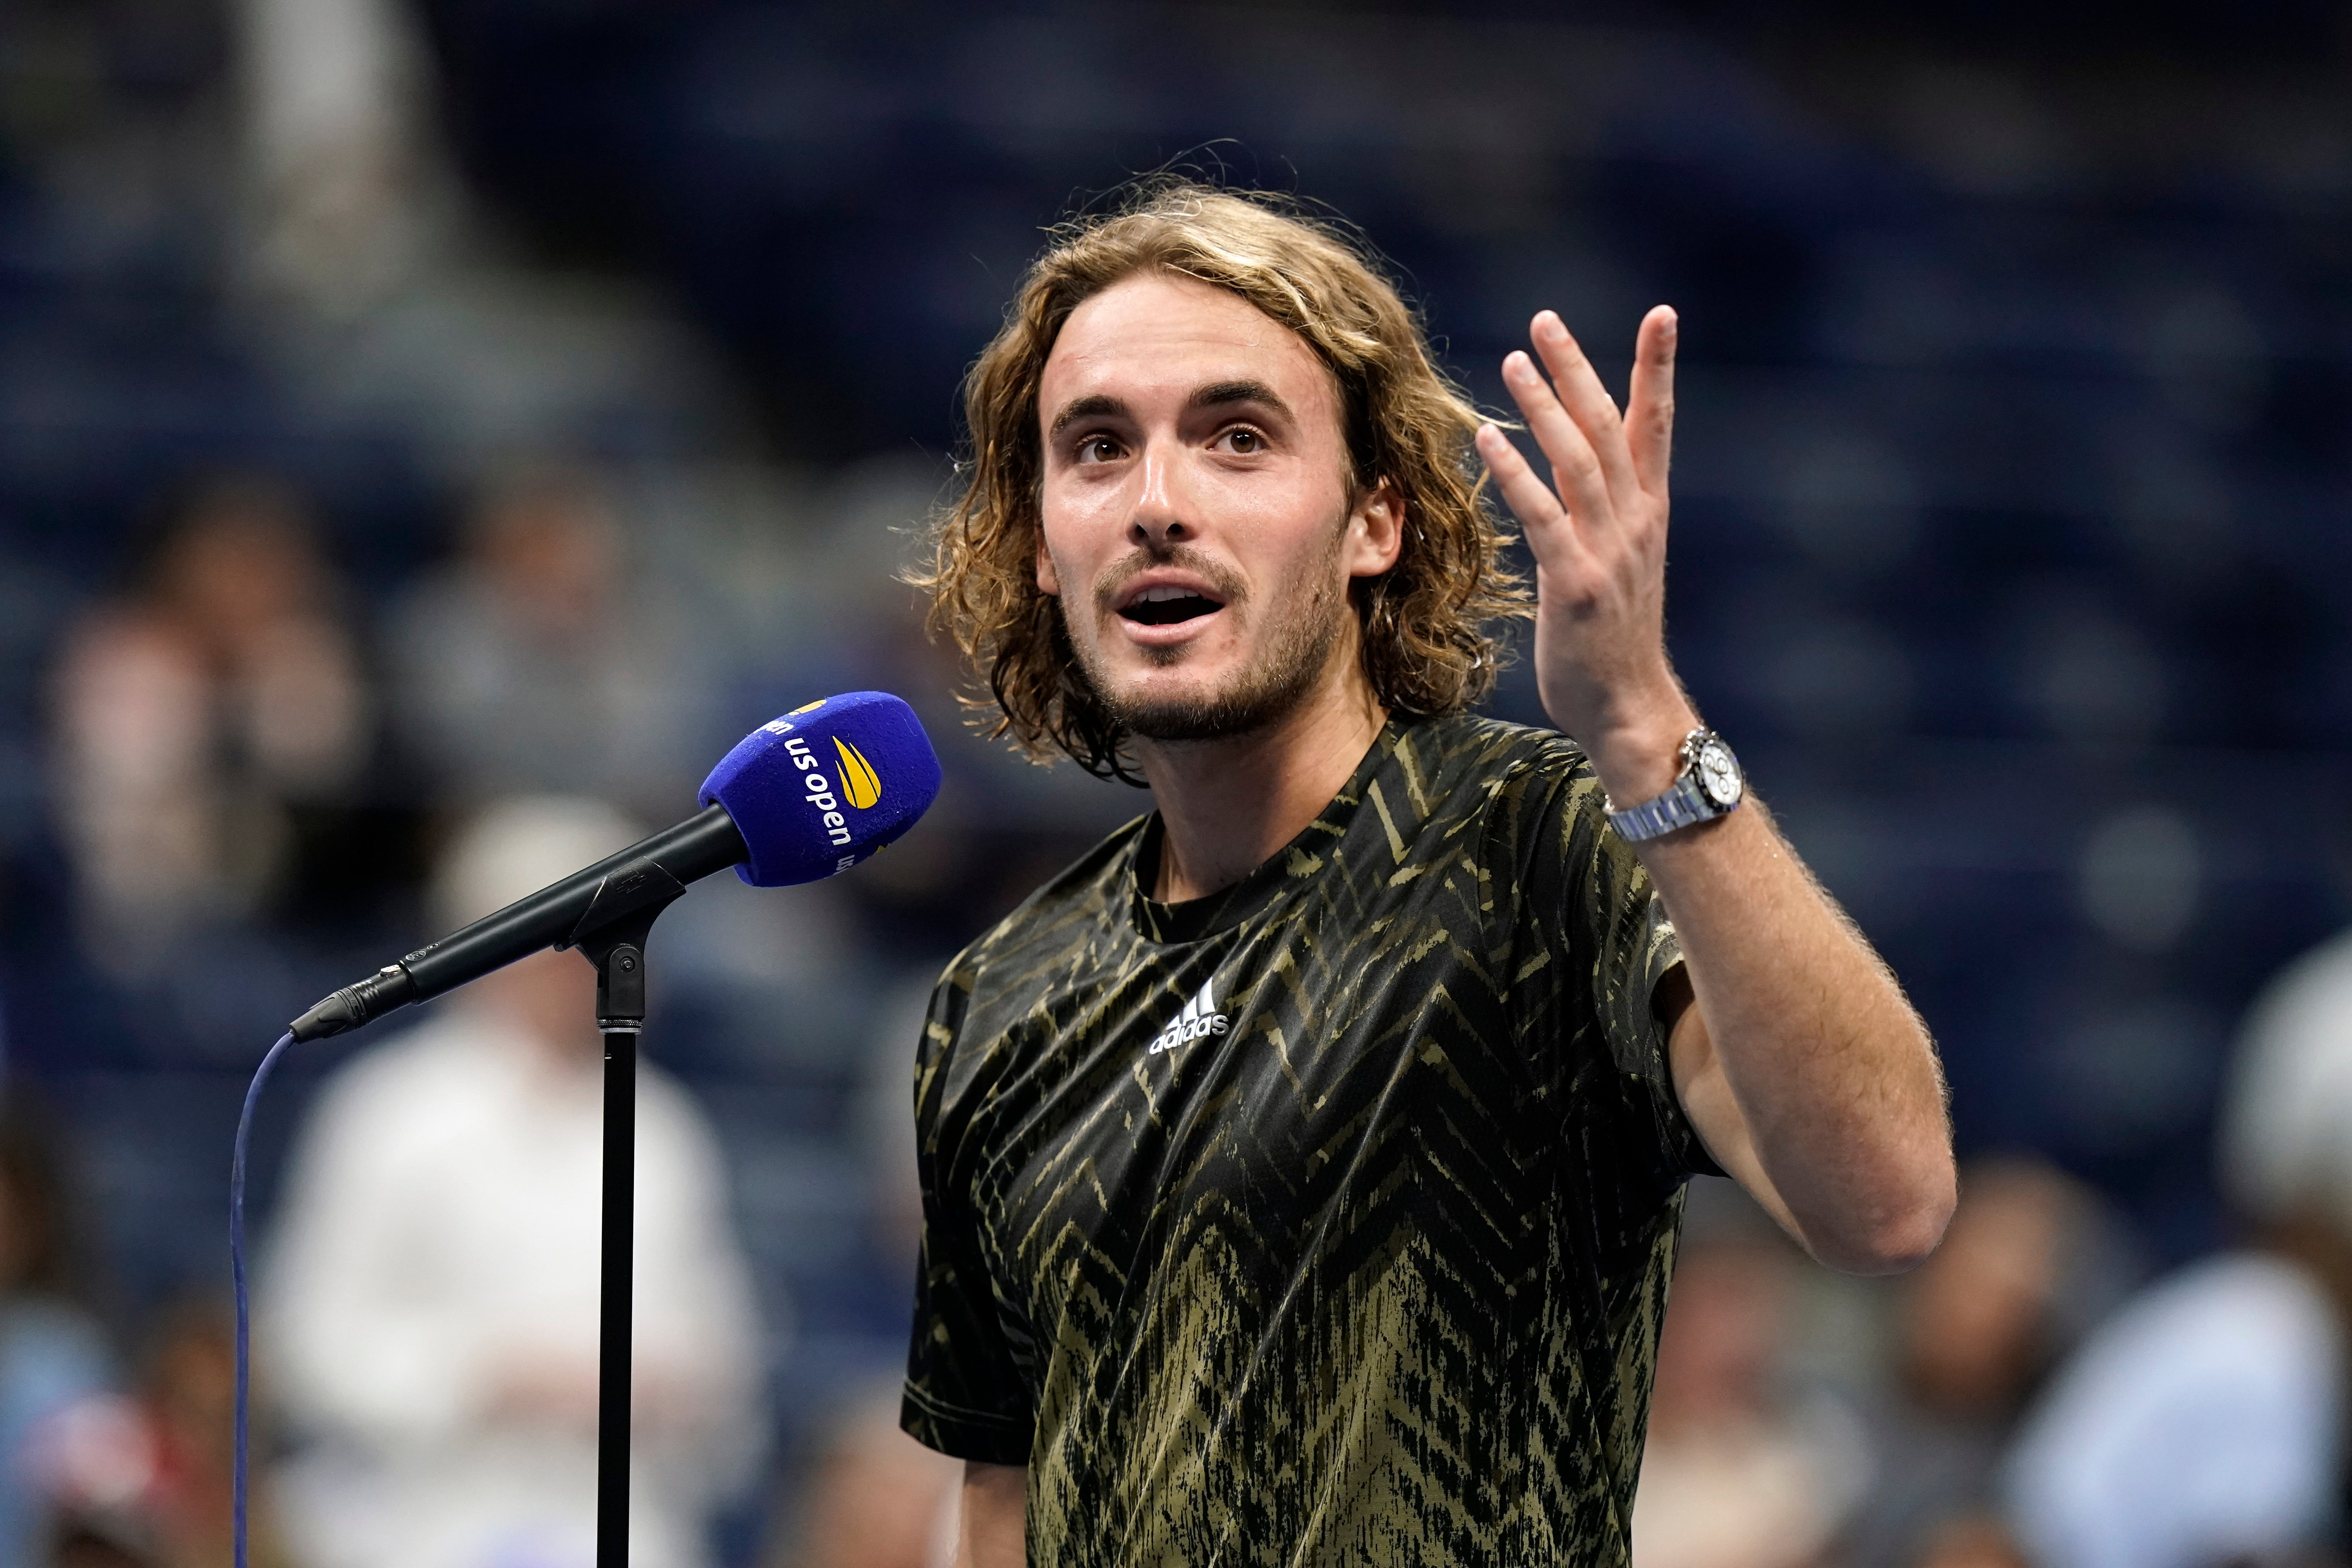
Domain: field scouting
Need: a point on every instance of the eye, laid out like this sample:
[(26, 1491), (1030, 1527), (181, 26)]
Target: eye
[(1242, 441), (1096, 450)]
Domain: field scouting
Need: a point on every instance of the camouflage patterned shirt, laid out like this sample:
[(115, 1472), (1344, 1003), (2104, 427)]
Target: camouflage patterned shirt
[(1327, 1219)]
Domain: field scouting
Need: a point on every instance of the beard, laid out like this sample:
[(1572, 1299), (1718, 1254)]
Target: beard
[(1302, 628)]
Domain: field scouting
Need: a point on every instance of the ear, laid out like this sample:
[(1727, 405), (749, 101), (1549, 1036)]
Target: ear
[(1375, 531), (1048, 583)]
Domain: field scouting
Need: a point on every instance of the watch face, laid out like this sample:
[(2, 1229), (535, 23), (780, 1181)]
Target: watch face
[(1719, 772)]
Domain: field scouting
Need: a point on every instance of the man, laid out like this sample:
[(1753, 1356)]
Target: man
[(2206, 1420), (1302, 1167)]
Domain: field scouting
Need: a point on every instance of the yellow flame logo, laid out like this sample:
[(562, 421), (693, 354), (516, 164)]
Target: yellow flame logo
[(859, 783)]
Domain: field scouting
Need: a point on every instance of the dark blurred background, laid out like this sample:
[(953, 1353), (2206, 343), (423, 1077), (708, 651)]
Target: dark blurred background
[(2009, 541)]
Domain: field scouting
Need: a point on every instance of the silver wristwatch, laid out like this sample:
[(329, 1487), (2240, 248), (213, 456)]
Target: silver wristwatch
[(1709, 785)]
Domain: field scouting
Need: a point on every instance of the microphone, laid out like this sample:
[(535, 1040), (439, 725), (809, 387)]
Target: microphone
[(801, 797)]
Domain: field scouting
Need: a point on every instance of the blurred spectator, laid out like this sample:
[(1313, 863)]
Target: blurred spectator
[(2205, 1422), (2027, 1257), (875, 1497), (341, 167), (53, 1354), (432, 1308), (545, 659), (145, 1480), (194, 715), (1742, 1469), (190, 1393)]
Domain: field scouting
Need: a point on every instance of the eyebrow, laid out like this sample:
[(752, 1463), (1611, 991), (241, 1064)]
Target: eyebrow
[(1216, 395), (1085, 408)]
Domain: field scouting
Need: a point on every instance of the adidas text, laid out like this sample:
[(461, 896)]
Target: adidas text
[(1199, 1020)]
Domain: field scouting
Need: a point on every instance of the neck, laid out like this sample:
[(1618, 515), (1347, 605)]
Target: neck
[(1227, 805), (2315, 1240)]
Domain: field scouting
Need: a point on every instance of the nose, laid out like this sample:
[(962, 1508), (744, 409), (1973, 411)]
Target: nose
[(1157, 521)]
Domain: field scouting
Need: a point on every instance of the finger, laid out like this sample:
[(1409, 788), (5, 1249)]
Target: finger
[(1650, 408), (1583, 486), (1549, 527), (1587, 401)]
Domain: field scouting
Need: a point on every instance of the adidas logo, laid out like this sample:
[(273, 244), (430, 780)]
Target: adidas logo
[(1199, 1019)]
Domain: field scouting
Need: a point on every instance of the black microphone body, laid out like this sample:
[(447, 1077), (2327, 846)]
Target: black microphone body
[(652, 869), (802, 797)]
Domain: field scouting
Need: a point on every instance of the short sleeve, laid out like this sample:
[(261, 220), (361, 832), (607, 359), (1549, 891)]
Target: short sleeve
[(1585, 942), (965, 1394)]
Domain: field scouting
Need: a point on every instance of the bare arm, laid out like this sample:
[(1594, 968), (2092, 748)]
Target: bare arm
[(992, 1531), (1826, 1104), (1799, 1063)]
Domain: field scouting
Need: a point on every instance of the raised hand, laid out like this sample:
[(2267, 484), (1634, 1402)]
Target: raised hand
[(1803, 1069), (1598, 533)]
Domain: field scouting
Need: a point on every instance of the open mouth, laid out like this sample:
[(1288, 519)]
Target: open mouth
[(1167, 606)]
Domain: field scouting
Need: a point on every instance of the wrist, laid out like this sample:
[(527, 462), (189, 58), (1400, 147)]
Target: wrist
[(1710, 785), (1636, 763)]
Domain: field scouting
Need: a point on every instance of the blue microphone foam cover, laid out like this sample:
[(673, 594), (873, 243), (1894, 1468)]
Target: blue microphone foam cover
[(824, 787)]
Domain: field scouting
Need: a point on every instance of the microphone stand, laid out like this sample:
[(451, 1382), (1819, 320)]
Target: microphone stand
[(611, 936)]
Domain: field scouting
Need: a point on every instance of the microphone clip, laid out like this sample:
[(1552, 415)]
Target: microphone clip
[(621, 977), (612, 935)]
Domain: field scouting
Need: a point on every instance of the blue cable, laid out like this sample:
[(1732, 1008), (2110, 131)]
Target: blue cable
[(236, 1274)]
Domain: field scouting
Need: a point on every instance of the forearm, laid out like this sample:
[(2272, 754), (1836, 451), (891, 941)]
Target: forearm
[(1830, 1078), (992, 1529)]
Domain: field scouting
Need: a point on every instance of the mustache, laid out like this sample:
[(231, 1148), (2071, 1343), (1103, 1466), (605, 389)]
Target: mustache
[(1183, 557)]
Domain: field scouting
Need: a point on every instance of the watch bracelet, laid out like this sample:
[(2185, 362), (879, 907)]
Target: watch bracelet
[(1682, 804)]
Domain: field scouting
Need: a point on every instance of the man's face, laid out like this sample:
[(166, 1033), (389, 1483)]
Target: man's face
[(1199, 528)]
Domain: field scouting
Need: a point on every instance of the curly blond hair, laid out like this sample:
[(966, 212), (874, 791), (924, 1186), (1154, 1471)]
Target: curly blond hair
[(1425, 647)]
